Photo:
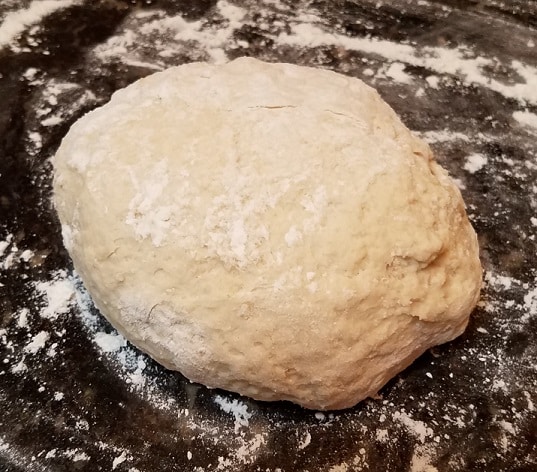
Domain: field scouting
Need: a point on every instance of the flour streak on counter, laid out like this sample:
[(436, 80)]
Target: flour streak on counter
[(148, 28), (18, 21), (457, 62)]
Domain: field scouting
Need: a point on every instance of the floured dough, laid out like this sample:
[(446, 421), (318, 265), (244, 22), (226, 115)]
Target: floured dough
[(268, 229)]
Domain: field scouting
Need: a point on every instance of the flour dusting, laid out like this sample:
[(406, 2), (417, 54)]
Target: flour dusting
[(237, 409), (458, 62), (110, 342), (475, 162), (146, 216), (38, 342), (58, 295), (526, 118), (16, 22)]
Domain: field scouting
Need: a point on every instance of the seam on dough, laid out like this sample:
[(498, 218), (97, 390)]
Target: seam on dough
[(338, 113), (273, 107)]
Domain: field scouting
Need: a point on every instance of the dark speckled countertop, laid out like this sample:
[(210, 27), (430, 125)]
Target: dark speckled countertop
[(75, 396)]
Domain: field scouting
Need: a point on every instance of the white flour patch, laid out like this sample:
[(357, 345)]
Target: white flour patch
[(5, 244), (305, 441), (51, 121), (51, 454), (19, 368), (211, 40), (110, 342), (396, 71), (433, 81), (382, 435), (530, 304), (443, 136), (526, 118), (26, 255), (146, 216), (249, 448), (416, 428), (48, 111), (35, 142), (238, 409), (15, 23), (4, 446), (58, 295), (22, 318), (475, 162), (37, 343), (82, 425), (119, 460), (6, 261), (76, 455), (500, 281), (421, 460)]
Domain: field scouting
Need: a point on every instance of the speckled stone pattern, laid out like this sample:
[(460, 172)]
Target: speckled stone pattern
[(75, 396)]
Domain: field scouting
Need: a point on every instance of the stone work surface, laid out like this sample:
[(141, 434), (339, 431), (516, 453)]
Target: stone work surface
[(75, 395)]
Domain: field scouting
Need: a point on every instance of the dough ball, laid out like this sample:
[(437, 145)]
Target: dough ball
[(268, 229)]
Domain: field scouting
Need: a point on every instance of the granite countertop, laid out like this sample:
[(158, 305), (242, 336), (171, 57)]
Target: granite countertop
[(75, 395)]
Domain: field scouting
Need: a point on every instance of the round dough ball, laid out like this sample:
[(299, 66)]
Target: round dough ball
[(269, 229)]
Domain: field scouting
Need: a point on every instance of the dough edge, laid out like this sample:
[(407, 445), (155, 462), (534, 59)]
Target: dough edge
[(143, 326)]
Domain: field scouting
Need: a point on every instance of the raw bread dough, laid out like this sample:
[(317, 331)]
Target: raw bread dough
[(268, 229)]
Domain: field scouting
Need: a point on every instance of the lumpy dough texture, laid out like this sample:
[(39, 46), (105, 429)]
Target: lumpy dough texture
[(269, 229)]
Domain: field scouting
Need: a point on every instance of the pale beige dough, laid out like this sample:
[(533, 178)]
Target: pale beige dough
[(268, 229)]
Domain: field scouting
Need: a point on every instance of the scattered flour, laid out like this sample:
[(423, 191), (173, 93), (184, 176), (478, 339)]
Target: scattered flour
[(119, 460), (38, 342), (417, 428), (26, 255), (22, 318), (530, 304), (421, 460), (214, 39), (248, 450), (397, 72), (238, 409), (58, 294), (109, 342), (442, 136), (475, 162), (526, 118), (382, 435), (457, 62), (19, 368), (433, 81), (76, 455), (305, 441), (5, 244), (15, 23)]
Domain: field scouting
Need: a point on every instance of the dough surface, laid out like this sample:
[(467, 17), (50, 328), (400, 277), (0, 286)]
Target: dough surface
[(268, 229)]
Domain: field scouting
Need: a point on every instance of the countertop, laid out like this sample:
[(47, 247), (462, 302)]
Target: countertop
[(75, 395)]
